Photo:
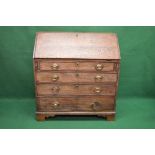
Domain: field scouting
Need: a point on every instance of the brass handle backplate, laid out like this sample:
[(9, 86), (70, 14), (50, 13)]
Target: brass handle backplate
[(98, 77), (55, 66), (95, 105), (55, 104), (55, 89), (55, 77), (99, 67), (97, 90)]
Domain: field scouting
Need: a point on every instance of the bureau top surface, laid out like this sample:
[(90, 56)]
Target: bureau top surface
[(76, 45)]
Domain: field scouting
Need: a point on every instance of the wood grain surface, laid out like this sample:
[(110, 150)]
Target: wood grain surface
[(49, 77), (76, 45), (75, 65), (93, 103), (75, 89), (76, 74)]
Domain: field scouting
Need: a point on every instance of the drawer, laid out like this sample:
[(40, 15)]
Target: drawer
[(74, 89), (53, 77), (84, 104), (75, 65), (96, 77), (56, 104), (96, 103)]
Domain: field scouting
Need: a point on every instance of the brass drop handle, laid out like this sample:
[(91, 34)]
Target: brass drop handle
[(56, 104), (55, 66), (55, 77), (97, 90), (94, 105), (55, 89), (99, 67), (98, 77)]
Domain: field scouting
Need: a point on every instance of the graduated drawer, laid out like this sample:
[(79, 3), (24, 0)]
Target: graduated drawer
[(53, 65), (86, 104), (75, 89), (53, 77), (56, 104), (95, 103)]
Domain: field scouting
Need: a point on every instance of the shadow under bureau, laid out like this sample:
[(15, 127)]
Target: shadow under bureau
[(76, 74)]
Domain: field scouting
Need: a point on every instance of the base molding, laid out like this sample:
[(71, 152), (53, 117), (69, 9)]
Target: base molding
[(109, 115)]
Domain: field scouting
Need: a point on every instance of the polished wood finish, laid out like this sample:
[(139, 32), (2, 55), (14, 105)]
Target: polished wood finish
[(76, 77), (76, 74), (94, 103), (56, 104), (76, 45), (75, 89), (48, 65), (67, 104)]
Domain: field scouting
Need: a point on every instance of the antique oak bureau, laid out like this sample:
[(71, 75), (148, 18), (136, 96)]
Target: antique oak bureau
[(76, 74)]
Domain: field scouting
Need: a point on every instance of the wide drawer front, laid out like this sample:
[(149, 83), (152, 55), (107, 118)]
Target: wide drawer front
[(75, 65), (75, 89), (95, 103), (53, 77)]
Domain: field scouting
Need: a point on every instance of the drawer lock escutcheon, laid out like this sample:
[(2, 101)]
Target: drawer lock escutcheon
[(76, 85), (77, 64), (77, 75)]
